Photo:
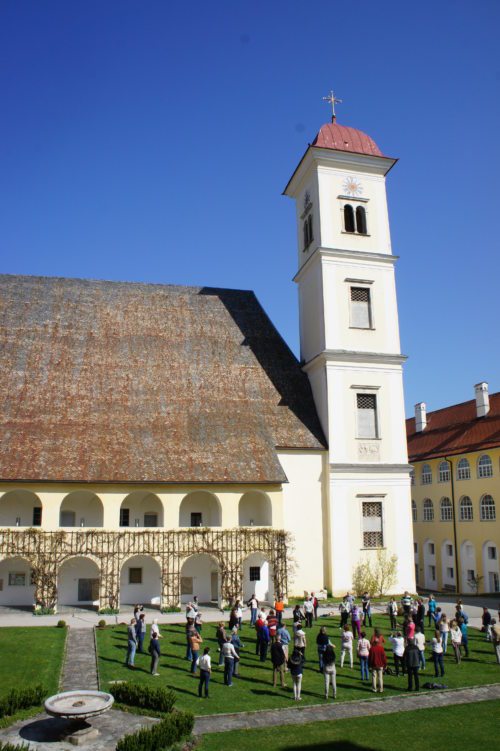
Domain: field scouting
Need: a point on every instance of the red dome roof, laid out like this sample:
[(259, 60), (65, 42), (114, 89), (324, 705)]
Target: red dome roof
[(342, 138)]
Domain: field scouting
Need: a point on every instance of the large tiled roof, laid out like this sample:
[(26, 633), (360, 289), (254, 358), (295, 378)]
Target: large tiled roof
[(125, 382), (455, 430)]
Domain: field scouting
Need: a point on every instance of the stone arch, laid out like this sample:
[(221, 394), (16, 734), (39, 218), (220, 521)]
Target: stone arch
[(78, 581), (17, 509), (17, 589), (141, 581), (144, 509), (81, 508), (200, 509), (255, 510), (467, 565), (258, 564), (201, 575), (491, 571)]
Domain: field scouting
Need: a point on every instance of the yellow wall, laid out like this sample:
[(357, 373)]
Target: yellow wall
[(474, 536)]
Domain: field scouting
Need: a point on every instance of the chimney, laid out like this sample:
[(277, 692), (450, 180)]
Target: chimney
[(482, 399), (420, 417)]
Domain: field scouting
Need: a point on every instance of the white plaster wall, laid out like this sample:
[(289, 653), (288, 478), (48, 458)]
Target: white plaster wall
[(303, 517), (489, 565), (16, 595), (67, 581), (467, 562), (311, 312), (200, 568), (262, 589), (147, 593), (347, 492)]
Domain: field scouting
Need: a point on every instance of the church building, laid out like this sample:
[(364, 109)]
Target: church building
[(160, 442)]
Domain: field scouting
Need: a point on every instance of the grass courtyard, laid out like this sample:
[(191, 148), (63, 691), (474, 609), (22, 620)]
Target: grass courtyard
[(29, 656), (253, 690), (471, 726)]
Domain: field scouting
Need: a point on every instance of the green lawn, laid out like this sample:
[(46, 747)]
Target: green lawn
[(31, 655), (253, 690), (471, 726)]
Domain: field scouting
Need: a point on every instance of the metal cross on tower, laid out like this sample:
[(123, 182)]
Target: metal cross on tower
[(333, 101)]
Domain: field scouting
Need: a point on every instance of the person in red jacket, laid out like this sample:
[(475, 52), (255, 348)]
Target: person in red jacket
[(377, 661)]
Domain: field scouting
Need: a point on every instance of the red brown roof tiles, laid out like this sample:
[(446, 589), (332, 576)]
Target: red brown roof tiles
[(344, 138)]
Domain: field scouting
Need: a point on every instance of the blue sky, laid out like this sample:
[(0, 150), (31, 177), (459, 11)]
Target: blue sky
[(151, 141)]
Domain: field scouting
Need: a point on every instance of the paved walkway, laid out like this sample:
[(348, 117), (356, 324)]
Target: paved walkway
[(338, 711), (80, 667)]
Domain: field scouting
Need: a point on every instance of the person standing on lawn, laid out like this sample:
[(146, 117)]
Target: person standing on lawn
[(315, 605), (309, 611), (346, 645), (366, 604), (363, 654), (444, 630), (456, 640), (272, 624), (265, 638), (420, 615), (437, 654), (253, 604), (329, 671), (377, 662), (486, 623), (195, 640), (279, 607), (465, 635), (205, 665), (230, 656), (411, 661), (299, 640), (392, 609), (131, 644), (495, 638), (321, 643), (284, 636), (409, 629), (356, 621), (297, 614), (154, 651), (189, 630), (431, 609), (406, 602), (344, 609), (220, 635), (140, 632), (296, 668), (398, 648), (238, 645), (420, 642), (278, 660)]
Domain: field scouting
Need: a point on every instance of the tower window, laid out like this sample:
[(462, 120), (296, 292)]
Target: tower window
[(361, 220), (349, 218), (308, 231), (367, 415), (360, 308), (372, 525)]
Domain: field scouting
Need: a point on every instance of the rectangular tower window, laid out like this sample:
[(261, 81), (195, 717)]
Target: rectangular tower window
[(361, 317), (367, 415), (372, 525), (124, 517)]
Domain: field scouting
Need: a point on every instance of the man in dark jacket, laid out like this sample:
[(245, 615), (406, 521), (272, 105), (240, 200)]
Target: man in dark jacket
[(278, 660), (411, 660)]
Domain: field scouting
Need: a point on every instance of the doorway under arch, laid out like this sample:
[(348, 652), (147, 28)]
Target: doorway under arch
[(140, 581), (16, 589), (78, 582), (257, 578), (200, 577)]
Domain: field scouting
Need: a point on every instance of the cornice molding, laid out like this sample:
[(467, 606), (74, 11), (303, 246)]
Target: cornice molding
[(393, 469), (343, 254), (344, 355)]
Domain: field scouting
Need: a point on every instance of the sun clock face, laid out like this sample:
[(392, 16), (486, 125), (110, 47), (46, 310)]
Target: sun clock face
[(352, 187)]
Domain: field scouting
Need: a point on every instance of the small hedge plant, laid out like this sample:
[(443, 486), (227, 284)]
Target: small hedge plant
[(13, 747), (108, 611), (21, 698), (61, 624), (146, 697), (101, 624), (44, 611), (170, 610), (160, 737)]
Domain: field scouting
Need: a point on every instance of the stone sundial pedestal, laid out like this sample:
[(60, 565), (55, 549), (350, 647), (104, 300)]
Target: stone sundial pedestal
[(78, 707)]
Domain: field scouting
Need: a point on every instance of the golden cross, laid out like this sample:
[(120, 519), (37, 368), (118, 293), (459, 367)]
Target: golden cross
[(332, 99)]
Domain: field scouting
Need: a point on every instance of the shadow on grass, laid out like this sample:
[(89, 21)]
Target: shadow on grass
[(330, 746)]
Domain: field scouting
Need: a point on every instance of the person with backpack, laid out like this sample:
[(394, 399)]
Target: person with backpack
[(411, 661), (272, 624), (279, 662), (329, 670), (296, 668)]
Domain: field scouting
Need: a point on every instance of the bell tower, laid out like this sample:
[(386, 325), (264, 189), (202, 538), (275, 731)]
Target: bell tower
[(350, 348)]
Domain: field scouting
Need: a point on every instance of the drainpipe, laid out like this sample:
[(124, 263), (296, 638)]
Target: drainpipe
[(457, 568)]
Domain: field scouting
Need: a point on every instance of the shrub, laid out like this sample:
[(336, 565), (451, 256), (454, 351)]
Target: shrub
[(13, 747), (61, 624), (148, 697), (170, 610), (375, 577), (160, 737), (21, 698), (101, 624), (44, 611), (109, 611)]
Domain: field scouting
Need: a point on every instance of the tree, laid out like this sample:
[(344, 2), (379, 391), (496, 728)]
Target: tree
[(375, 577)]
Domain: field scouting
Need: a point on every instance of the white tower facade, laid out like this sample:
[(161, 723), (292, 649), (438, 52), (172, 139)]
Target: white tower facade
[(350, 348)]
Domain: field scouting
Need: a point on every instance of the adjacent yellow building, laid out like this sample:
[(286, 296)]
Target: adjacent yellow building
[(455, 453)]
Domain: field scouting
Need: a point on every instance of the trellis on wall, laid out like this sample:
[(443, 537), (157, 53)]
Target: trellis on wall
[(47, 551)]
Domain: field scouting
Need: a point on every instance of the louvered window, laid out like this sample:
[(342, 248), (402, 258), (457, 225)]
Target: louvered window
[(372, 525), (360, 308), (367, 415)]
